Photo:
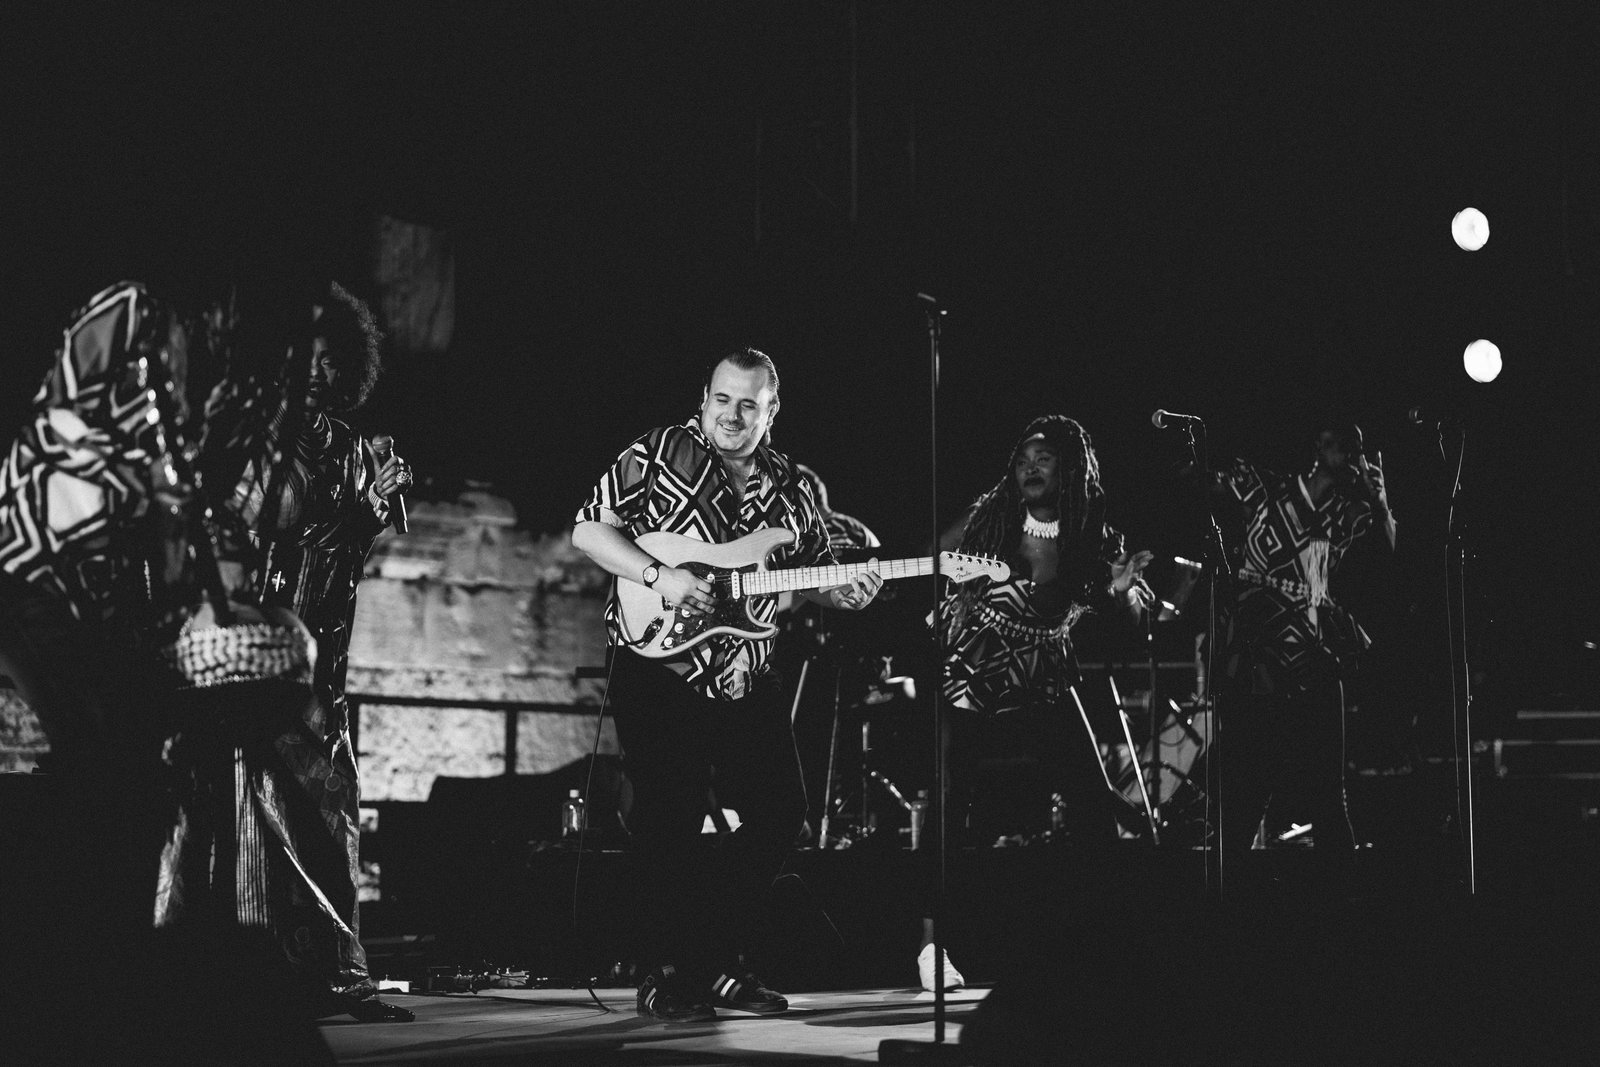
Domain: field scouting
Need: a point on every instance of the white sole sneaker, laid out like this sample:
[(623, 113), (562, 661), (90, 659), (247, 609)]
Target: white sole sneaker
[(952, 977)]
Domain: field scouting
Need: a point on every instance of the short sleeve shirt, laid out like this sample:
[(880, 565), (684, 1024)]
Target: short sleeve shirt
[(1283, 617), (672, 480)]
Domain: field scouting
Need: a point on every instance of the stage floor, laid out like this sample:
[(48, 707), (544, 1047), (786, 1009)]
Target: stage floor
[(566, 1026)]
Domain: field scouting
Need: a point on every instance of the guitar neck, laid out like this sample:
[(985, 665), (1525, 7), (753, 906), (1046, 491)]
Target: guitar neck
[(761, 583)]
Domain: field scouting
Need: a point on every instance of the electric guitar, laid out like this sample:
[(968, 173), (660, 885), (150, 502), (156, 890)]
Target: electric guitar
[(739, 574)]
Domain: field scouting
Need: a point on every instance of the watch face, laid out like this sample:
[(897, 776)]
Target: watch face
[(651, 573)]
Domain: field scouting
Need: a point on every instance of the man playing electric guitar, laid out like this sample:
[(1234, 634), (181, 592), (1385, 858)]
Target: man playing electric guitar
[(708, 713)]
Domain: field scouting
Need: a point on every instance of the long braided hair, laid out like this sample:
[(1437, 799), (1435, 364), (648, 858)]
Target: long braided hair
[(994, 527)]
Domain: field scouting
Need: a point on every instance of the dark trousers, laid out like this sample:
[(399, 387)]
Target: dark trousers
[(993, 794), (705, 903), (1268, 743)]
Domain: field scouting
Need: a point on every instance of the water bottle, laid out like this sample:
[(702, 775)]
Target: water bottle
[(572, 814), (1058, 814), (918, 810)]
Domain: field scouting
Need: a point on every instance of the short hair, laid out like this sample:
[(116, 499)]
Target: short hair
[(351, 330), (1351, 439), (747, 358)]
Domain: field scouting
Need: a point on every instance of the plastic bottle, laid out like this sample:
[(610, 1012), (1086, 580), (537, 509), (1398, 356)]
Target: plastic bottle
[(918, 810), (572, 815)]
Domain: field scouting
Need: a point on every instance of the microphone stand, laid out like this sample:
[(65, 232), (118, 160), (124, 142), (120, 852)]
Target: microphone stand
[(894, 1050), (1216, 558), (1456, 557)]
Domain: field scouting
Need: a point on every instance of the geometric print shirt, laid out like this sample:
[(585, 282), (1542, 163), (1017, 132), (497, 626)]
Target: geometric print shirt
[(1283, 630), (673, 480), (846, 533)]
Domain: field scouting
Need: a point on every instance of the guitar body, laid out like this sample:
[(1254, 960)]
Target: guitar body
[(740, 578), (656, 631)]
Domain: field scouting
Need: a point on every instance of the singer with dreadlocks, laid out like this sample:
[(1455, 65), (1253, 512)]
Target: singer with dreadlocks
[(1009, 667)]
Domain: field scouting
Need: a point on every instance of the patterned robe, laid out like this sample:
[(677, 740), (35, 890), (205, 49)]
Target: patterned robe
[(93, 521), (79, 478), (1281, 631), (278, 796)]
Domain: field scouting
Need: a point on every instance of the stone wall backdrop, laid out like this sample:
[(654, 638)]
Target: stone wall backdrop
[(22, 741), (464, 607), (468, 608)]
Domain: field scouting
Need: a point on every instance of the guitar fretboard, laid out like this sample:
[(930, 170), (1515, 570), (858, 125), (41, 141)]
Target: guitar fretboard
[(761, 583)]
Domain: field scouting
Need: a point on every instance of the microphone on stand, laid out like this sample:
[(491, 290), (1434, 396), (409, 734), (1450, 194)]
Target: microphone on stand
[(1162, 419), (383, 448)]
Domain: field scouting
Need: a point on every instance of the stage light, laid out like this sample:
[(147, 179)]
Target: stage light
[(1470, 229), (1482, 360)]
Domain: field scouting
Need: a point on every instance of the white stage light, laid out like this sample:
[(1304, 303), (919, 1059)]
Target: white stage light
[(1470, 229), (1482, 360)]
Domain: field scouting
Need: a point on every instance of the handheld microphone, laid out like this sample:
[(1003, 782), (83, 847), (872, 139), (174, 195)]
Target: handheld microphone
[(1431, 420), (383, 448), (1162, 419)]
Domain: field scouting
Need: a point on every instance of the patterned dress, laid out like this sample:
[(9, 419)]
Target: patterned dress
[(673, 480), (1013, 647), (1282, 631)]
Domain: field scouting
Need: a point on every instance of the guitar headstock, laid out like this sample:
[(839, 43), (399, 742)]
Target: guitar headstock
[(962, 567)]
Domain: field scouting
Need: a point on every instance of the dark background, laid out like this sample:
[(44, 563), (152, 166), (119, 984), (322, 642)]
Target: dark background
[(1231, 212)]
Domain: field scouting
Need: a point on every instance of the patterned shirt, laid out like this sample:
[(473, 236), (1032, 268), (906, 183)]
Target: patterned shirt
[(847, 533), (1282, 631), (673, 480)]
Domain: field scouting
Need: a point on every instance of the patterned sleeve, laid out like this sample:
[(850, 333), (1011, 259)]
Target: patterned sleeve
[(812, 547), (849, 533), (619, 498)]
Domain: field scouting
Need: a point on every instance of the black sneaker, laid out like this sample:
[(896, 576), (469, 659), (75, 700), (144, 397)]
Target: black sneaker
[(746, 993), (665, 995)]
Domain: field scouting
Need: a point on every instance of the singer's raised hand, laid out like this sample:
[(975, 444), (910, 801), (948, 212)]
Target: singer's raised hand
[(1127, 568), (1371, 474)]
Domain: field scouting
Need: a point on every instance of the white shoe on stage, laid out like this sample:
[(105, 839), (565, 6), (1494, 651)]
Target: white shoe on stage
[(952, 977)]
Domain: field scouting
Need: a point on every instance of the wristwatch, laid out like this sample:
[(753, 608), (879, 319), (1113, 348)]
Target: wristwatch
[(651, 573)]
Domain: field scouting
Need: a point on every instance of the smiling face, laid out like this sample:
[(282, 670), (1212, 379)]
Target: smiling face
[(1037, 470), (737, 409)]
